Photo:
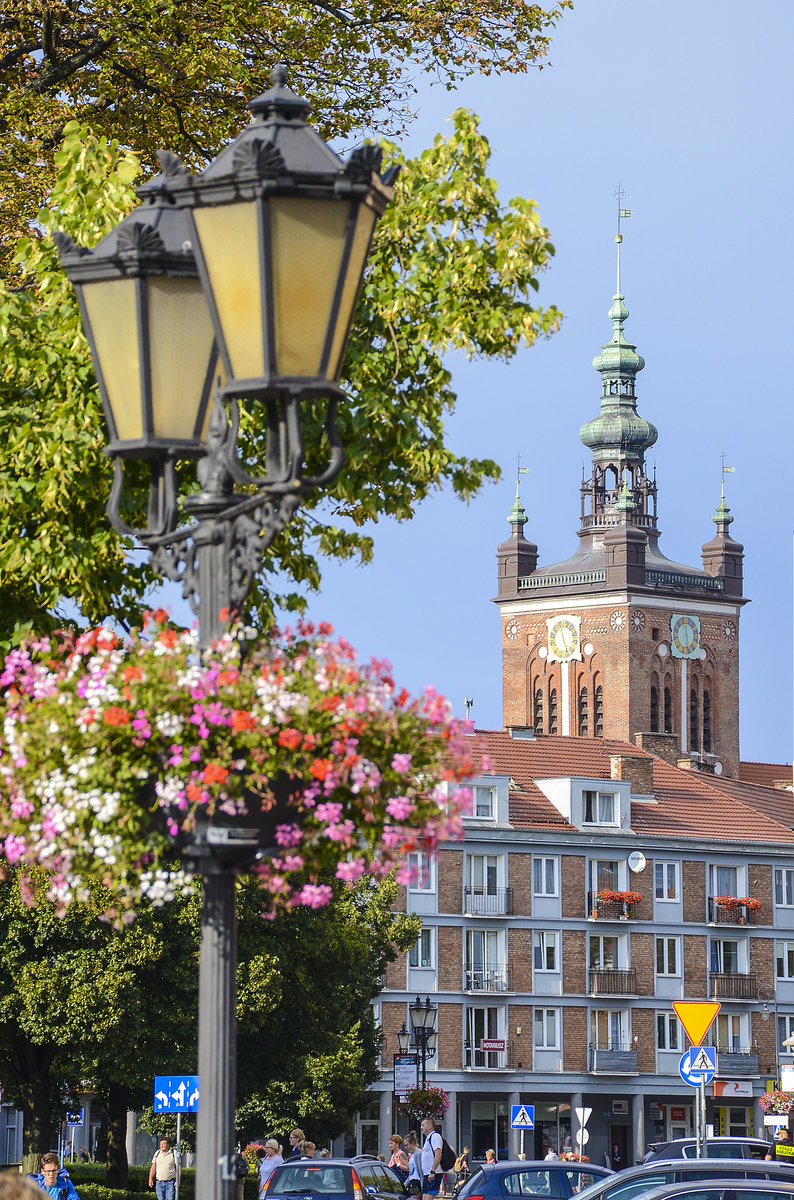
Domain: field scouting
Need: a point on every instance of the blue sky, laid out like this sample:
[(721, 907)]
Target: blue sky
[(688, 106)]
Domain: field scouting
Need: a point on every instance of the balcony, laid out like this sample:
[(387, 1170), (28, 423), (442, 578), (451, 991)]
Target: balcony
[(611, 1058), (739, 1061), (739, 914), (608, 982), (485, 979), (495, 902), (609, 910), (486, 1060), (724, 985)]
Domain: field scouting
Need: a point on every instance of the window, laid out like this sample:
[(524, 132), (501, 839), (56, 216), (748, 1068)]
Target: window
[(785, 1028), (546, 1027), (733, 1032), (422, 876), (544, 950), (553, 710), (544, 876), (483, 873), (668, 710), (724, 956), (485, 970), (584, 712), (598, 709), (707, 722), (654, 709), (784, 960), (784, 887), (667, 1031), (693, 719), (609, 1029), (484, 802), (724, 881), (599, 808), (604, 873), (665, 876), (537, 710), (667, 956), (483, 1023), (485, 893), (605, 953), (421, 953)]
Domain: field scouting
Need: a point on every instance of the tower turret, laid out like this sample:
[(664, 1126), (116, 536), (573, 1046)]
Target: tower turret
[(517, 557)]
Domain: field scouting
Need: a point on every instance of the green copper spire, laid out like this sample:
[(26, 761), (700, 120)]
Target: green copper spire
[(723, 514), (624, 502), (517, 516)]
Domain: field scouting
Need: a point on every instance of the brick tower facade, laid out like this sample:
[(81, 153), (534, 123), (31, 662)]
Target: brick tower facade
[(618, 640)]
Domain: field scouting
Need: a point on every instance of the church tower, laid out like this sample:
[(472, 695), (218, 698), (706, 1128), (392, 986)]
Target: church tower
[(618, 640)]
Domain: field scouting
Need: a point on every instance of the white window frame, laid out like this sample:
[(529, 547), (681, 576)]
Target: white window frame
[(542, 865), (601, 802), (668, 869), (667, 944), (668, 1033), (485, 797), (543, 941), (423, 948), (494, 1025), (716, 951), (739, 1031), (546, 1028), (423, 869), (784, 956), (621, 951), (719, 889), (785, 1029), (595, 884), (784, 887)]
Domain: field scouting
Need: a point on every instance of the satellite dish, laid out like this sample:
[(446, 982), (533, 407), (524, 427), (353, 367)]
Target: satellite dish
[(718, 768), (637, 861)]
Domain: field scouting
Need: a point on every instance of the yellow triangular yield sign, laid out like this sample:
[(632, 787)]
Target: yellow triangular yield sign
[(696, 1016)]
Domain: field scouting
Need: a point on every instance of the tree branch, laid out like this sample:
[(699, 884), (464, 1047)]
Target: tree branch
[(69, 66)]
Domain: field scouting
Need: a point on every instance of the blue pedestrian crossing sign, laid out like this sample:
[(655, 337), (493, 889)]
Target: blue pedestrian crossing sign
[(698, 1065), (522, 1116), (176, 1093)]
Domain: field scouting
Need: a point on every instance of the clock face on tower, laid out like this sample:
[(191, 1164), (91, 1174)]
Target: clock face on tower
[(685, 636), (563, 638)]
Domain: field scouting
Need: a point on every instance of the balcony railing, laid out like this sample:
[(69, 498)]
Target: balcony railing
[(482, 902), (608, 982), (720, 915), (485, 979), (725, 985), (611, 1057), (609, 910), (486, 1060), (741, 1061)]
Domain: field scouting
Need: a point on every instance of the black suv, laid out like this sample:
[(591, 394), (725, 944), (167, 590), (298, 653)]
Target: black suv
[(335, 1179)]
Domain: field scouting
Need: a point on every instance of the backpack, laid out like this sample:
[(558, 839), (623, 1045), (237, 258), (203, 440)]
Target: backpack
[(448, 1156), (241, 1167)]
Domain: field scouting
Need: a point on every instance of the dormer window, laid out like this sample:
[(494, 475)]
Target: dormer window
[(484, 802), (599, 808)]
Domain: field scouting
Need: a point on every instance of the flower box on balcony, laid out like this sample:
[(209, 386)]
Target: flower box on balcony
[(615, 905)]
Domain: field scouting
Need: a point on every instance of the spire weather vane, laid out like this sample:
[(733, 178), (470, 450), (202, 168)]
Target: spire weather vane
[(725, 471), (623, 214)]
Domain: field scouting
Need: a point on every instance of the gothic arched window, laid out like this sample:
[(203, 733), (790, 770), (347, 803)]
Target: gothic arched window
[(537, 710), (598, 712), (707, 722), (668, 710), (584, 712), (553, 710), (654, 709), (694, 740)]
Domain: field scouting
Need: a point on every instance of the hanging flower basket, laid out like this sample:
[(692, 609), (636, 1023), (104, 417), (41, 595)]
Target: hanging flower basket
[(121, 761), (419, 1103), (777, 1102), (613, 896), (751, 903)]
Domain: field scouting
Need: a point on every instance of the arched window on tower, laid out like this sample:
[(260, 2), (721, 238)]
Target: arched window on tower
[(668, 710), (584, 712), (553, 710), (537, 710), (598, 712), (654, 708), (694, 740), (707, 722)]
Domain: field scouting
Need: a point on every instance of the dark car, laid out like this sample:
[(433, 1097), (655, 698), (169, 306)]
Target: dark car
[(636, 1181), (724, 1188), (719, 1147), (335, 1179), (555, 1177)]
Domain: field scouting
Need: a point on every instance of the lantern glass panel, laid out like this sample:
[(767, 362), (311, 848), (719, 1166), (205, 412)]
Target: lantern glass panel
[(307, 244), (362, 235), (111, 308), (229, 237), (181, 342)]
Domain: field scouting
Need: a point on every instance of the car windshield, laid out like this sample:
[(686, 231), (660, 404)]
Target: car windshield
[(528, 1183), (307, 1180)]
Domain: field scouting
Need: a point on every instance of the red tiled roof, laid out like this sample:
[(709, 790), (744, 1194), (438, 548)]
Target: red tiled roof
[(765, 774), (688, 804), (777, 803)]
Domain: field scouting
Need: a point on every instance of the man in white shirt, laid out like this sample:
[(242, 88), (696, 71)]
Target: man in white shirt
[(431, 1159)]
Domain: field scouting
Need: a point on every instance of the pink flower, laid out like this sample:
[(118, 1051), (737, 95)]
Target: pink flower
[(400, 807), (288, 835), (14, 847), (350, 870), (401, 763), (315, 895), (328, 812)]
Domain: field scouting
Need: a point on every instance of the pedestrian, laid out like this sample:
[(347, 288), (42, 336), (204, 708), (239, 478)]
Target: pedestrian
[(413, 1184), (783, 1149), (83, 1156), (295, 1138), (241, 1169), (462, 1167), (616, 1158), (490, 1156), (431, 1158), (271, 1158), (54, 1179), (550, 1154), (399, 1159), (14, 1186), (307, 1149), (164, 1171), (324, 1153)]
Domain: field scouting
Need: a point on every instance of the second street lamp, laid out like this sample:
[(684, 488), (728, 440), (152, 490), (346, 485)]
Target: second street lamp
[(277, 230), (423, 1020)]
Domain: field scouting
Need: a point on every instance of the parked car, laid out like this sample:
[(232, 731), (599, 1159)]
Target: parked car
[(335, 1179), (557, 1177), (724, 1188), (636, 1181), (718, 1147)]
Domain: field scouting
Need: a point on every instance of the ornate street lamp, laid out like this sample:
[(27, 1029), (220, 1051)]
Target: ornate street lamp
[(423, 1020), (237, 285)]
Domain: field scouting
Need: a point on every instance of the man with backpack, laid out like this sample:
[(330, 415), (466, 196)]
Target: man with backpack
[(165, 1170), (431, 1159)]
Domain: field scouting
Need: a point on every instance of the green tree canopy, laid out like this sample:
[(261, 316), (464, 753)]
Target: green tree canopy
[(175, 74)]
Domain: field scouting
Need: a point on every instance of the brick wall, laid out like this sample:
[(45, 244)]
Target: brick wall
[(693, 884), (763, 1036), (393, 1016), (573, 884), (636, 768), (519, 1016), (519, 958), (643, 1027), (450, 881), (396, 973), (574, 961), (519, 878), (642, 960), (450, 958), (695, 966), (759, 884), (642, 882), (762, 962), (450, 1037), (574, 1039)]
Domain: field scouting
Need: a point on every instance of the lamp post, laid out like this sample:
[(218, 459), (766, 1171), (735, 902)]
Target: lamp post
[(425, 1036), (232, 288)]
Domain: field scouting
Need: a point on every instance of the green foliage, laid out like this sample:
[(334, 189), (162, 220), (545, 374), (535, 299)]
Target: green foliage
[(453, 268), (85, 1176)]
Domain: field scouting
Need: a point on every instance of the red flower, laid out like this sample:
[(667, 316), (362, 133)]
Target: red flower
[(320, 768), (214, 773), (291, 738), (242, 720), (169, 637), (116, 716)]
